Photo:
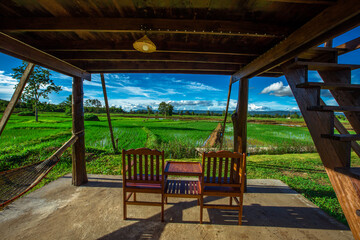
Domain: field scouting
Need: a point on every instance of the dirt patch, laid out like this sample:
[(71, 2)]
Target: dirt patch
[(214, 137), (297, 174)]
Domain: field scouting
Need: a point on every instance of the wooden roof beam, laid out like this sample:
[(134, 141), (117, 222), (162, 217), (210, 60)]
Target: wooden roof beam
[(156, 56), (171, 26), (16, 48), (326, 2), (162, 46), (97, 66), (333, 21)]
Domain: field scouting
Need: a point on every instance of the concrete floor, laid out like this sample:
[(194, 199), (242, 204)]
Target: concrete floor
[(94, 211)]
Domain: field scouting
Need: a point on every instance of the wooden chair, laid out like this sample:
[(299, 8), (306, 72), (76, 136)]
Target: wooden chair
[(223, 175), (142, 173)]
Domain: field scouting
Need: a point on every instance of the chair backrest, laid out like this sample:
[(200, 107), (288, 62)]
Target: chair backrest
[(223, 168), (143, 165)]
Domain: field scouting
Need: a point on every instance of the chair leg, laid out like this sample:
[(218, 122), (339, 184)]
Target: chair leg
[(201, 209), (162, 208), (240, 210), (124, 205), (166, 202)]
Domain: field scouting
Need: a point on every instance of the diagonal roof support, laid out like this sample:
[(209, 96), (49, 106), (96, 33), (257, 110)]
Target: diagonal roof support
[(18, 49), (333, 21)]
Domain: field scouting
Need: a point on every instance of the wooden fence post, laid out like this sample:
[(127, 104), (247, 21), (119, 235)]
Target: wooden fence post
[(78, 149)]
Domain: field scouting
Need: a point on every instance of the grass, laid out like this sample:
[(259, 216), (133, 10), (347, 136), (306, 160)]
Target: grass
[(24, 141)]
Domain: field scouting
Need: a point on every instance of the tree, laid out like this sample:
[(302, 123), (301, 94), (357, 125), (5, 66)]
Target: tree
[(149, 110), (39, 85), (166, 109)]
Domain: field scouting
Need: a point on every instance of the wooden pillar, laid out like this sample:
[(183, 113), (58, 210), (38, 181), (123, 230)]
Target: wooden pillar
[(240, 117), (107, 111), (17, 94), (78, 149)]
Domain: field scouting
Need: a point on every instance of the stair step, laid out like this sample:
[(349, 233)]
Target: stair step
[(342, 137), (316, 52), (334, 108), (321, 66), (330, 86), (352, 172)]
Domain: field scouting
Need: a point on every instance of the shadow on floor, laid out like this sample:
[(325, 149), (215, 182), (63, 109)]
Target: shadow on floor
[(253, 215)]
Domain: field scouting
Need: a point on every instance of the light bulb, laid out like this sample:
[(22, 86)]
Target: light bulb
[(145, 47)]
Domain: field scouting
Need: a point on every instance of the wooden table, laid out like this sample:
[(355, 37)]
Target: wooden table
[(182, 188)]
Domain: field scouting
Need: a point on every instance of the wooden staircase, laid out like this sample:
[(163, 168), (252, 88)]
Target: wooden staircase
[(334, 149)]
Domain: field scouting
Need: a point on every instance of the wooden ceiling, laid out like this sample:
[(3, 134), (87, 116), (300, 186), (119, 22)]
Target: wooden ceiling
[(210, 37)]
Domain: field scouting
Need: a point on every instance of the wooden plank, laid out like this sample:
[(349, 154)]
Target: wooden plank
[(208, 169), (157, 168), (16, 96), (334, 20), (129, 167), (173, 71), (332, 153), (106, 65), (79, 175), (135, 166), (326, 2), (226, 173), (162, 46), (16, 48), (330, 86), (153, 25), (152, 167), (342, 137), (108, 112), (323, 66), (155, 56), (350, 46), (146, 167), (214, 169), (334, 108), (140, 167), (220, 170)]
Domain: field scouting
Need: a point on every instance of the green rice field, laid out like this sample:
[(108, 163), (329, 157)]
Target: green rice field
[(281, 151)]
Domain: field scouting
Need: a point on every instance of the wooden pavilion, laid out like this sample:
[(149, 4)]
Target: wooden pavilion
[(241, 38)]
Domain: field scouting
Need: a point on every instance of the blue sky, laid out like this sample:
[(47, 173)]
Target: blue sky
[(183, 91)]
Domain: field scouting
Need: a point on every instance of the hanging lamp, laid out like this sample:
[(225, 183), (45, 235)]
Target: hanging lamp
[(144, 45)]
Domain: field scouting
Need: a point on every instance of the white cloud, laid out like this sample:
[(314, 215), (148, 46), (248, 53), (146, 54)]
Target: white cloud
[(278, 89), (254, 107), (7, 84), (200, 87)]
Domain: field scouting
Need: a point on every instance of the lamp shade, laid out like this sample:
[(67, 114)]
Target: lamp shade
[(144, 45)]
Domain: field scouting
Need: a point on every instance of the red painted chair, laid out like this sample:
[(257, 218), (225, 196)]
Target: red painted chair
[(143, 171), (223, 175)]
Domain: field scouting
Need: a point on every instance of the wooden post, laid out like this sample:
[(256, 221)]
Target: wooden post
[(17, 94), (107, 111), (240, 120), (78, 149), (240, 117), (226, 113)]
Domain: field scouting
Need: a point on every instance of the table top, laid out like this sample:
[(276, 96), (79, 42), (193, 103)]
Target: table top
[(183, 168)]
